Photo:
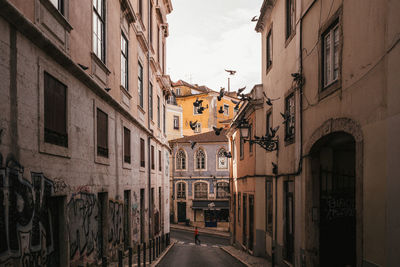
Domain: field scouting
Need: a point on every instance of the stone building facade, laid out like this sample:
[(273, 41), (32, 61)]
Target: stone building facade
[(200, 181), (330, 70), (83, 148)]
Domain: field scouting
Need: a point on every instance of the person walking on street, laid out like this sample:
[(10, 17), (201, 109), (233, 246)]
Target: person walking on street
[(196, 236)]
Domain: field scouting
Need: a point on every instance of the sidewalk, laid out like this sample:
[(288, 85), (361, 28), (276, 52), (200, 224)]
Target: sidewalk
[(201, 230), (246, 258)]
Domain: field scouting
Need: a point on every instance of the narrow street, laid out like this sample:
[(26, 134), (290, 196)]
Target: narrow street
[(186, 253)]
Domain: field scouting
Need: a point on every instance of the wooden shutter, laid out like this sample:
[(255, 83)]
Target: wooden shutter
[(152, 158), (142, 161), (55, 111), (127, 145), (102, 133)]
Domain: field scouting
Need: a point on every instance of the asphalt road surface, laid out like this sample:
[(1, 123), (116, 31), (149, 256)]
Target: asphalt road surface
[(208, 254)]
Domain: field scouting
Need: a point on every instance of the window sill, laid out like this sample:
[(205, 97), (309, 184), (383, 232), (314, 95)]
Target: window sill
[(268, 69), (57, 15), (142, 169), (100, 63), (289, 39), (328, 90), (140, 108), (126, 92), (54, 150), (289, 141), (127, 166), (101, 160)]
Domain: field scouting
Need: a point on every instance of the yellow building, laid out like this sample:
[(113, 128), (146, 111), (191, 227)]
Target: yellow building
[(186, 94)]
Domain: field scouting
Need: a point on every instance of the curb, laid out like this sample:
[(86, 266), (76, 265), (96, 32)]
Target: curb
[(227, 235), (157, 261), (236, 257)]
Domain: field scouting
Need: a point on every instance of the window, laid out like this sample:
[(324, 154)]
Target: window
[(198, 128), (195, 110), (142, 157), (269, 49), (159, 161), (152, 158), (158, 44), (330, 44), (163, 61), (269, 206), (178, 91), (140, 8), (181, 190), (226, 110), (222, 160), (59, 5), (289, 112), (238, 200), (290, 18), (200, 159), (200, 190), (158, 112), (55, 111), (140, 84), (268, 121), (127, 145), (181, 160), (102, 134), (124, 62), (151, 22), (99, 29), (151, 100), (234, 149), (222, 190), (176, 122), (164, 123)]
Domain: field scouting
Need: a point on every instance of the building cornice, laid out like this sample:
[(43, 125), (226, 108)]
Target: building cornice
[(263, 11)]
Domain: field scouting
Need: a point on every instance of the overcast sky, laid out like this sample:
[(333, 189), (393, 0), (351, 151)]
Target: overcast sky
[(209, 36)]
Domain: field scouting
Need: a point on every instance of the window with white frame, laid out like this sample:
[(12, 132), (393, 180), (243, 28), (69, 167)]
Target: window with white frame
[(197, 128), (200, 190), (290, 18), (181, 160), (181, 191), (222, 190), (140, 84), (99, 29), (195, 110), (222, 159), (330, 49), (290, 117), (226, 110), (200, 159), (124, 61), (59, 5), (178, 91), (176, 122)]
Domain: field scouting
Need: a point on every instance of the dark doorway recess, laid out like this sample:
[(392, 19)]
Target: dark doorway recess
[(181, 211), (334, 156)]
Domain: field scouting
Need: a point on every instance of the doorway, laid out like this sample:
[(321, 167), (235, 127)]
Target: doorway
[(289, 221), (244, 223), (251, 221), (181, 211), (334, 160)]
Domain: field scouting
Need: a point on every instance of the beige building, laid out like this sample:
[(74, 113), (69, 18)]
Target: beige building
[(83, 147), (331, 68)]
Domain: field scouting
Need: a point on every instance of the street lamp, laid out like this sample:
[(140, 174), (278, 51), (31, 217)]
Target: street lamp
[(244, 128)]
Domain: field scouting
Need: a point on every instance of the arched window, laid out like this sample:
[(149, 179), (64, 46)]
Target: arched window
[(181, 160), (222, 190), (222, 160), (200, 159), (181, 190), (200, 190)]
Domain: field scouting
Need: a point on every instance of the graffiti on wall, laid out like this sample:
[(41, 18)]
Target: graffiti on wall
[(135, 218), (83, 224), (115, 224), (26, 224)]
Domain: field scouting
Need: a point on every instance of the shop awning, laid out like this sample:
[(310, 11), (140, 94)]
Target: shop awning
[(210, 204)]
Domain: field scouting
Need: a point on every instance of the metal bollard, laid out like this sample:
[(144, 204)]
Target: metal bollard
[(104, 262), (130, 257), (144, 254), (138, 255), (120, 258), (150, 244), (158, 246), (154, 252)]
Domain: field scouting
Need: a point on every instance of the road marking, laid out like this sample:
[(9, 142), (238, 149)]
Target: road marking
[(192, 244), (215, 246), (204, 245)]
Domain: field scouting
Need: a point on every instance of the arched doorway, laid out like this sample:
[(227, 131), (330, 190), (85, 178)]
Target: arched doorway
[(333, 163)]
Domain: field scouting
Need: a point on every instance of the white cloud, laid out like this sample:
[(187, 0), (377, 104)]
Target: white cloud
[(209, 36)]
